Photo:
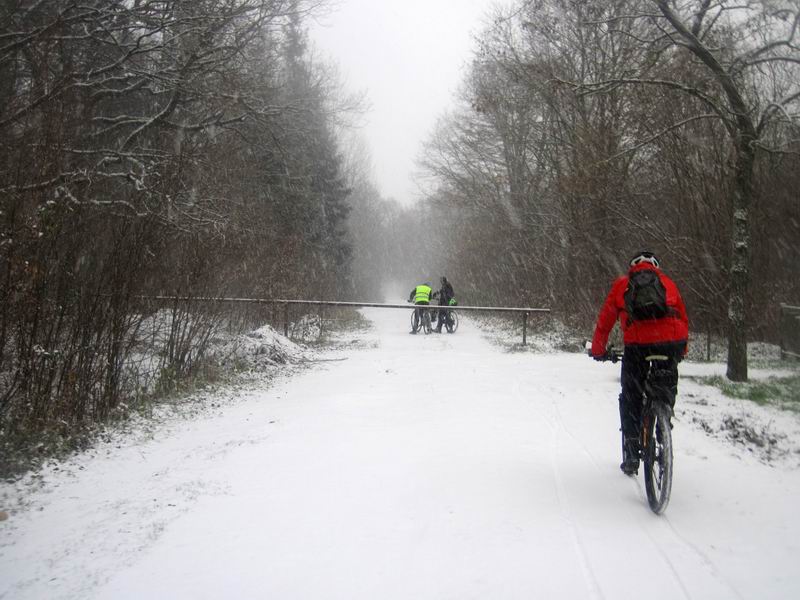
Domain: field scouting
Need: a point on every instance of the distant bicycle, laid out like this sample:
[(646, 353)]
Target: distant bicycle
[(451, 321), (655, 435), (421, 319)]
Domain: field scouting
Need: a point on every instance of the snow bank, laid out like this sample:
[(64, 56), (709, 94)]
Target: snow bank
[(768, 433), (263, 347)]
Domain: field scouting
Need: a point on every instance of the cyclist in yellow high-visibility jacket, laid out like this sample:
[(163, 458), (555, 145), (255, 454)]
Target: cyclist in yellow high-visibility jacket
[(421, 295)]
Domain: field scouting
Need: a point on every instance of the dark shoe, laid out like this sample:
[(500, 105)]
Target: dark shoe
[(630, 457), (630, 466), (438, 330)]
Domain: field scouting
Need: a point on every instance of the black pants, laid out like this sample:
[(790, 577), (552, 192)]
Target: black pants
[(444, 318), (634, 374)]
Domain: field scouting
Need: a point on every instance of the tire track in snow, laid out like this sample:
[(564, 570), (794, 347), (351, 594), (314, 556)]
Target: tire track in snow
[(566, 511), (681, 540), (637, 483), (665, 556), (563, 427), (579, 443), (557, 426), (639, 486), (589, 577), (703, 559)]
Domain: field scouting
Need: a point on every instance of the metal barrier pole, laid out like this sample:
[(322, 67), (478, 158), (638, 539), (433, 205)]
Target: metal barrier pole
[(275, 302)]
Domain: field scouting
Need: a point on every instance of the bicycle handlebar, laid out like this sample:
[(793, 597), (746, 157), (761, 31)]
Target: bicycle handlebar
[(612, 354)]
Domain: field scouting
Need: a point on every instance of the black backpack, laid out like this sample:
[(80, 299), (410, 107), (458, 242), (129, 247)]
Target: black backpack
[(646, 296)]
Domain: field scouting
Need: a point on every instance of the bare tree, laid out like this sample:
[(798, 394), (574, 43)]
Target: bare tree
[(670, 128), (152, 147), (749, 52)]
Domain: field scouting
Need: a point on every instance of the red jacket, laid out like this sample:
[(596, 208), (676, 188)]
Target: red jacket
[(672, 328)]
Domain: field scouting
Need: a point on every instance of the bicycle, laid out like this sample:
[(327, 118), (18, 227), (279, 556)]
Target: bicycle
[(421, 319), (451, 320), (655, 435)]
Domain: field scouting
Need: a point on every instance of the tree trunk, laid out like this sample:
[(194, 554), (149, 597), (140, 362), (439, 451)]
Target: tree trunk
[(740, 260), (745, 132)]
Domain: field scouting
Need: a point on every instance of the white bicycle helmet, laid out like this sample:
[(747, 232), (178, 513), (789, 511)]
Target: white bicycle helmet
[(644, 256)]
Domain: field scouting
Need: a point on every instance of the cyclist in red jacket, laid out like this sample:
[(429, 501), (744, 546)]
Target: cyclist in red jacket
[(653, 320)]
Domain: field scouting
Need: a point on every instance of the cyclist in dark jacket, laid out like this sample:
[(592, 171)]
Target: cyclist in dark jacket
[(660, 327), (445, 294)]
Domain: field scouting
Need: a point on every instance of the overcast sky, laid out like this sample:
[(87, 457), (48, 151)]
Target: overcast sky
[(409, 56)]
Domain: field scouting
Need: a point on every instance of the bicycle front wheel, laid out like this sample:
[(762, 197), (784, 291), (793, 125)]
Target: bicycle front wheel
[(658, 457), (453, 324)]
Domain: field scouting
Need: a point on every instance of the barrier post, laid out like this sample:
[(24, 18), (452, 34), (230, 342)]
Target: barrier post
[(525, 329), (783, 326)]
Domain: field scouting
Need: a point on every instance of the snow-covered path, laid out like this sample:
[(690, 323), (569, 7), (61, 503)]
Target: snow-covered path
[(425, 467)]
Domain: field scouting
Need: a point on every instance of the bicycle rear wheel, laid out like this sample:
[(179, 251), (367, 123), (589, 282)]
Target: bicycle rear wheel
[(426, 320), (658, 457)]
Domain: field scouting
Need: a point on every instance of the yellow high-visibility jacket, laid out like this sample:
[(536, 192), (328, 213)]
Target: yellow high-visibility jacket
[(421, 294)]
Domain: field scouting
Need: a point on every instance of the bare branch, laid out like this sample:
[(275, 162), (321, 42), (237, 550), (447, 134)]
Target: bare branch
[(662, 133)]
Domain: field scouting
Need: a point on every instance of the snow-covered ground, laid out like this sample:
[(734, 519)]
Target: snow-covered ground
[(416, 467)]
